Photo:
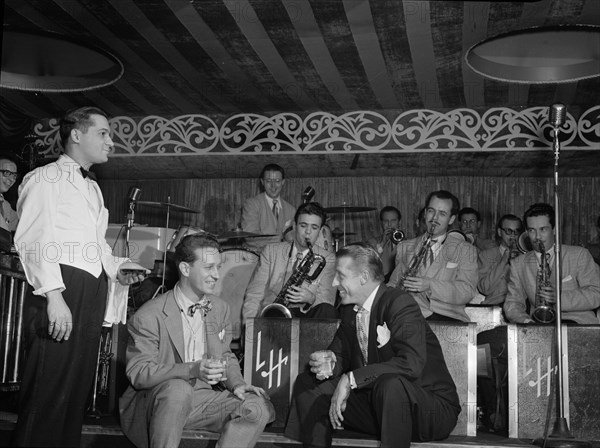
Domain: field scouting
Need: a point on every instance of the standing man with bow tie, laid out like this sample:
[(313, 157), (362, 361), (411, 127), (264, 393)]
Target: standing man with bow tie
[(70, 267), (173, 344), (389, 379), (447, 278)]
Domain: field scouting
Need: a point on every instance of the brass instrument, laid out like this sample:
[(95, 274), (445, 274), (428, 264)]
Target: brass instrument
[(279, 308), (543, 313), (397, 235), (417, 259)]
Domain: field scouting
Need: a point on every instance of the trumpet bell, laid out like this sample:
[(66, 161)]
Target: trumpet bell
[(458, 234), (524, 243)]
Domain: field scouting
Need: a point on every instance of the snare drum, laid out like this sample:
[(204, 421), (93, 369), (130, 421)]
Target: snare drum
[(234, 276), (182, 231)]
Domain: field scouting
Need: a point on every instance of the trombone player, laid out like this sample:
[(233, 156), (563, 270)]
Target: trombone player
[(278, 262), (495, 262), (386, 243), (580, 275)]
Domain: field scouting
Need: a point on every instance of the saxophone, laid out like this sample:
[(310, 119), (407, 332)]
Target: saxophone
[(543, 313), (279, 308), (417, 259)]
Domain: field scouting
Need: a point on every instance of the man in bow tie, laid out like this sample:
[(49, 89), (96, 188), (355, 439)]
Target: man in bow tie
[(176, 381), (71, 269), (389, 379), (446, 278)]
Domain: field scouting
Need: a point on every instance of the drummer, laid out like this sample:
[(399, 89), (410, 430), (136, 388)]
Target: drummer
[(8, 177), (268, 213)]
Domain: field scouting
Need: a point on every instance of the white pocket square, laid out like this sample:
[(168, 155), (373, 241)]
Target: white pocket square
[(222, 335), (451, 265), (567, 278), (383, 335)]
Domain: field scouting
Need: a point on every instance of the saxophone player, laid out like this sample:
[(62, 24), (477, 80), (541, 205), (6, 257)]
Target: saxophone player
[(580, 275), (446, 279), (277, 263)]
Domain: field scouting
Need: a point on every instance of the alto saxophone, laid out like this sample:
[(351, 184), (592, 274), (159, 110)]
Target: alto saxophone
[(279, 308), (543, 313), (417, 259)]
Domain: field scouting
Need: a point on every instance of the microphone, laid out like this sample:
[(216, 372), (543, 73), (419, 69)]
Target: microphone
[(132, 196), (308, 194), (556, 115)]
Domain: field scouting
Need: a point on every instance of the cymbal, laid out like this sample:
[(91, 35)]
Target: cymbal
[(240, 234), (175, 207), (348, 209)]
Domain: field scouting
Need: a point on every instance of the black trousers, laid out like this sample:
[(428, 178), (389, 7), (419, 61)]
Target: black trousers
[(393, 409), (58, 376)]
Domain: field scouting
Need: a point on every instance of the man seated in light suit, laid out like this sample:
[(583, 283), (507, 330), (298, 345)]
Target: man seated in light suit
[(494, 263), (268, 213), (390, 378), (277, 263), (446, 279), (580, 275), (174, 341)]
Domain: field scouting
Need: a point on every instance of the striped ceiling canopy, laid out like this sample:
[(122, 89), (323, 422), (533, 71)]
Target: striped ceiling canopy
[(219, 58)]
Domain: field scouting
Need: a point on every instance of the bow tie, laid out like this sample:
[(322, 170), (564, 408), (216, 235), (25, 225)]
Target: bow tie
[(205, 305), (85, 173)]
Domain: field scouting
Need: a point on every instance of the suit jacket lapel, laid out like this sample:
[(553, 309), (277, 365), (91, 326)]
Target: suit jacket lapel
[(173, 324), (373, 319)]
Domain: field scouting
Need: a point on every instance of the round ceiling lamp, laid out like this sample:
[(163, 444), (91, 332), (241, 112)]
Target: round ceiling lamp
[(557, 54), (41, 61)]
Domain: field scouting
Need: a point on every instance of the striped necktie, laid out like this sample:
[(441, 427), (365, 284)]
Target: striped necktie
[(362, 319), (275, 210)]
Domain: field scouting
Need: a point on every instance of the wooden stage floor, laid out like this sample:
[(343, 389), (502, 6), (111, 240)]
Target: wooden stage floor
[(105, 432)]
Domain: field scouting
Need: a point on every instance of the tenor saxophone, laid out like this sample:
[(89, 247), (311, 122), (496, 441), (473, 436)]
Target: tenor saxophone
[(279, 308), (543, 313), (417, 260)]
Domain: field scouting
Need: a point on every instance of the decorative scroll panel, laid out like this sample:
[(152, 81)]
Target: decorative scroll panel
[(498, 129)]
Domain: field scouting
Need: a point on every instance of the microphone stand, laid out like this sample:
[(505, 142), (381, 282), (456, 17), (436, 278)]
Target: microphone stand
[(130, 220), (560, 429)]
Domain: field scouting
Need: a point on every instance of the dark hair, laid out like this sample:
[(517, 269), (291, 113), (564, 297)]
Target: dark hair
[(79, 118), (364, 257), (311, 208), (540, 209), (389, 208), (185, 250), (272, 167), (10, 158), (468, 211), (446, 195)]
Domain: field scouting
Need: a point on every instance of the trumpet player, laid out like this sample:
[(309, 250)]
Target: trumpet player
[(386, 243), (494, 263), (445, 280), (277, 263), (580, 280)]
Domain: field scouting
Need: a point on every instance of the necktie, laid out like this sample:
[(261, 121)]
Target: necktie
[(362, 317), (85, 173), (205, 305), (297, 261), (429, 255), (275, 210)]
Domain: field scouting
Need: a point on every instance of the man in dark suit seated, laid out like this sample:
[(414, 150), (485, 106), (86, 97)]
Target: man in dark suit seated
[(390, 378)]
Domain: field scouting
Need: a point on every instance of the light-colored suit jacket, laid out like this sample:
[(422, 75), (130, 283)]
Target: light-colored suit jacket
[(493, 276), (156, 353), (272, 272), (60, 224), (453, 276), (580, 286), (258, 217)]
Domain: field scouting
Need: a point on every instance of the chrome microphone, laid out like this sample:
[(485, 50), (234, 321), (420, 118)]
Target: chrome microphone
[(557, 113), (132, 196)]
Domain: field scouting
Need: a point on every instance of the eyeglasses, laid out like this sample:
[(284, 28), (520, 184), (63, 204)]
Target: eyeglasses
[(469, 221), (9, 174), (511, 231)]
